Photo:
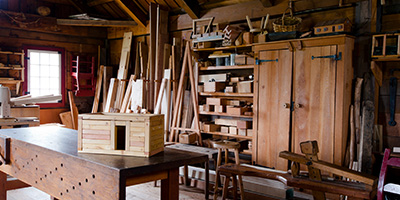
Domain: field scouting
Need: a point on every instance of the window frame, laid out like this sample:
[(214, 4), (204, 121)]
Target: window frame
[(25, 85)]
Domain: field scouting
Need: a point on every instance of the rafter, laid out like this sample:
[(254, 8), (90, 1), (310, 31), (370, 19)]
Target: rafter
[(98, 2), (133, 11), (82, 7), (267, 3), (191, 7)]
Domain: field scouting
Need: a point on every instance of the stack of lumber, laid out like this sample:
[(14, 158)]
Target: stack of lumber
[(28, 99)]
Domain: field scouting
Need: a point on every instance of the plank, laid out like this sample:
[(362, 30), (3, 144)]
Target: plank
[(98, 89), (125, 54), (127, 98), (166, 102), (152, 55), (367, 131), (112, 90), (66, 119), (137, 95), (107, 74), (74, 110), (99, 23), (157, 109), (120, 95)]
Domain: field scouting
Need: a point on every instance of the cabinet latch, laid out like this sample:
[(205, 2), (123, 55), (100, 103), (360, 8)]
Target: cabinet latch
[(335, 57), (260, 61)]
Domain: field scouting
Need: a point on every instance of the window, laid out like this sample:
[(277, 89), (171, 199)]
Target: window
[(44, 73)]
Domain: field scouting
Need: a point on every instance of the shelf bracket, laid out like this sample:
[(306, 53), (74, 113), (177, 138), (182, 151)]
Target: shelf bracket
[(260, 61), (335, 57)]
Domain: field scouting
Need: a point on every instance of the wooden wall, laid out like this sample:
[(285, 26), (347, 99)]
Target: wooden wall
[(15, 32)]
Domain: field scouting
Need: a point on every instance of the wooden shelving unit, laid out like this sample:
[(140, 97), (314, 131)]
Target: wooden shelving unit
[(12, 70), (244, 71)]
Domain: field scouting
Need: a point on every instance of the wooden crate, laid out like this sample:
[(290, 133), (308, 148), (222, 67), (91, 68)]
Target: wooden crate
[(121, 134)]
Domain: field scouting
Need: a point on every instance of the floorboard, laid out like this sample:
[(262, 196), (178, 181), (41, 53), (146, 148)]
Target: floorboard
[(145, 191)]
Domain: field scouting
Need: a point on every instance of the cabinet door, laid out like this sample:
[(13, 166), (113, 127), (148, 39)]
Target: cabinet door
[(314, 92), (273, 92)]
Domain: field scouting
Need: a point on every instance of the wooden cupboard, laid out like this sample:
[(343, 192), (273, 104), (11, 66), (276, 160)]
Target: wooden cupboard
[(302, 92)]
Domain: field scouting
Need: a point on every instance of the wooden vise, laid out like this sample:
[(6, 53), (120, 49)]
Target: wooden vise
[(364, 188)]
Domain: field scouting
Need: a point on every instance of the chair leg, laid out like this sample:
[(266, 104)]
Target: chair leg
[(240, 177), (234, 187), (226, 187), (216, 185)]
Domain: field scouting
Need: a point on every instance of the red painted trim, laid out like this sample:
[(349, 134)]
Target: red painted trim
[(63, 63)]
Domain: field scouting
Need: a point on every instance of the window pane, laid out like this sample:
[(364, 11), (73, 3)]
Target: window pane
[(54, 83), (34, 82), (54, 59), (44, 83), (34, 58), (44, 71), (54, 71), (44, 58), (34, 70)]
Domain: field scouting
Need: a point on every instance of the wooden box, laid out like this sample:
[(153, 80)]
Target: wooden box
[(234, 110), (245, 87), (187, 138), (211, 127), (333, 26), (214, 86), (229, 89), (244, 60), (233, 130), (224, 129), (219, 108), (215, 101), (121, 134), (244, 124)]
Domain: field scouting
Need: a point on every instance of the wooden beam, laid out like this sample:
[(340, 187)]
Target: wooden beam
[(98, 23), (98, 2), (267, 3), (133, 11), (82, 7), (192, 8)]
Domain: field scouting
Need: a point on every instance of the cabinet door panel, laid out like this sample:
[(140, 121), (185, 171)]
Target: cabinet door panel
[(314, 90), (274, 90)]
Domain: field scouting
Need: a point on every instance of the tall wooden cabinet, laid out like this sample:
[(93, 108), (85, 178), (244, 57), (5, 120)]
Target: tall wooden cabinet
[(302, 92)]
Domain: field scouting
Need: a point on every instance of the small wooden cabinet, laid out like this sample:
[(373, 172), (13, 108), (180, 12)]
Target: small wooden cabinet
[(302, 92)]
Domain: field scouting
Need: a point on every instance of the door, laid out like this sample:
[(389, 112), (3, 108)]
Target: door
[(314, 99), (274, 75)]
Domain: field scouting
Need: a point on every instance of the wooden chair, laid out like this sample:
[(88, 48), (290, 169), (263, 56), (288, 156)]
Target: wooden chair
[(365, 188), (226, 145), (390, 187)]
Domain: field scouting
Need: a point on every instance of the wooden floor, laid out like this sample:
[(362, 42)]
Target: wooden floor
[(145, 191)]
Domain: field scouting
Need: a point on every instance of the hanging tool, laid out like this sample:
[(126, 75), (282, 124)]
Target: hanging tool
[(392, 100)]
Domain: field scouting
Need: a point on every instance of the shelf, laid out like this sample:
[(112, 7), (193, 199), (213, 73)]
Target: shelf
[(229, 135), (224, 48), (11, 53), (224, 114), (14, 67), (223, 94), (10, 81), (227, 67), (388, 58)]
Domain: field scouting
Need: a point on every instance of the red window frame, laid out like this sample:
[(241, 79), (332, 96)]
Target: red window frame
[(25, 87)]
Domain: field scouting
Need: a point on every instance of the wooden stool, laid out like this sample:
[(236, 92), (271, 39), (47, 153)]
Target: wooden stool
[(225, 145)]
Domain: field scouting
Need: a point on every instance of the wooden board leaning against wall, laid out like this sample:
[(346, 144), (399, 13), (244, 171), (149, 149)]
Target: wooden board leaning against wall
[(320, 89)]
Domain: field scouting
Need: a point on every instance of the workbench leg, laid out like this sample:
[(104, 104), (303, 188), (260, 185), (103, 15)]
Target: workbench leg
[(122, 188), (170, 186), (3, 188), (207, 186), (186, 175)]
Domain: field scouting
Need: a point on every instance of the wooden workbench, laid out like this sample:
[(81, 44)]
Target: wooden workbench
[(47, 158)]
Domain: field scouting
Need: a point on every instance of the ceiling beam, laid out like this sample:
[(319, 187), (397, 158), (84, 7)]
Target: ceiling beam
[(98, 2), (133, 11), (98, 23), (82, 7), (191, 7), (267, 3)]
